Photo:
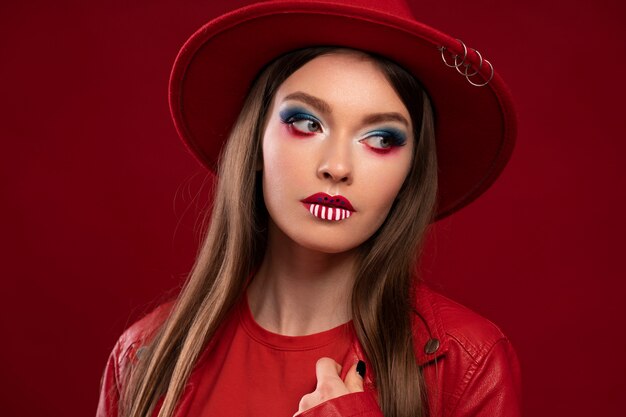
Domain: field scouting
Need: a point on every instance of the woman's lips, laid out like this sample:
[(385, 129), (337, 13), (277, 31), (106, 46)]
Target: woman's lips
[(328, 207)]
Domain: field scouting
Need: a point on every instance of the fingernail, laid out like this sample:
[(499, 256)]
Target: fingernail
[(360, 369)]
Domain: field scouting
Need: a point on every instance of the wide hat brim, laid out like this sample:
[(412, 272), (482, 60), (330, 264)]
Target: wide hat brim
[(474, 126)]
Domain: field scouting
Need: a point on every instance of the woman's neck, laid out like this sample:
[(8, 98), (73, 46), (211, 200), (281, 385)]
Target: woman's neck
[(298, 291)]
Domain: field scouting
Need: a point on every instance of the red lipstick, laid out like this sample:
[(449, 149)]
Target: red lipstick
[(328, 207)]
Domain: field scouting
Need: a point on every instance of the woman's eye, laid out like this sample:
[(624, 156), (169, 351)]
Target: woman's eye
[(306, 126), (383, 142), (379, 142), (300, 123)]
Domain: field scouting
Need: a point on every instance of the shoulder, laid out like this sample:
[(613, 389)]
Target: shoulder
[(467, 361), (138, 334), (453, 323), (125, 352)]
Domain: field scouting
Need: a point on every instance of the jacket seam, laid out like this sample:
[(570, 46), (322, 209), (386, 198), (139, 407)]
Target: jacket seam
[(480, 351), (117, 362), (470, 374), (124, 362)]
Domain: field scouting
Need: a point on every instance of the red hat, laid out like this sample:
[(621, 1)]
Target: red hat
[(475, 121)]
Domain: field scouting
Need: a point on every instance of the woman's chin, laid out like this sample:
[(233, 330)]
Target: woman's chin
[(330, 243)]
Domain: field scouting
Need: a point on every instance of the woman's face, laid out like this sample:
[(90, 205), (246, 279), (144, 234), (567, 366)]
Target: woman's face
[(337, 147)]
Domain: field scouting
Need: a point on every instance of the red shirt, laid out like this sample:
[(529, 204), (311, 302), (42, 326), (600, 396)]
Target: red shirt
[(254, 372)]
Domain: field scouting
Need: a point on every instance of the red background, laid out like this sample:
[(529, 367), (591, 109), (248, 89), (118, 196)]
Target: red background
[(100, 200)]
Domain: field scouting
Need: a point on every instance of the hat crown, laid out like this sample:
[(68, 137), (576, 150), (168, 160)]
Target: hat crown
[(399, 8)]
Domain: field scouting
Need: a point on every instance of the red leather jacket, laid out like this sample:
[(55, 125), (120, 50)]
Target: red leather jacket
[(469, 366)]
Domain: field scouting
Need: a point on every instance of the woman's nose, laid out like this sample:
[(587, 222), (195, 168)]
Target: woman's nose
[(336, 161)]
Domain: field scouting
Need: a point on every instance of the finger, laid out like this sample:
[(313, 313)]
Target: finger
[(307, 401), (327, 369), (354, 381)]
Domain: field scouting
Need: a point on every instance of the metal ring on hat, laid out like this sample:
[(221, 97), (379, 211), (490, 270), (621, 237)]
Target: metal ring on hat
[(486, 82), (468, 66), (456, 64)]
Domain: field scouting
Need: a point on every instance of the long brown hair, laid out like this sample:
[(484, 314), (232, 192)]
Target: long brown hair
[(235, 243)]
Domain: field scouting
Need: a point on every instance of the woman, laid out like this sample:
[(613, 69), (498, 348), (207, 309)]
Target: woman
[(304, 298)]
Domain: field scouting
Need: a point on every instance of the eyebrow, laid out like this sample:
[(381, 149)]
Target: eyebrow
[(385, 117), (316, 103), (321, 106)]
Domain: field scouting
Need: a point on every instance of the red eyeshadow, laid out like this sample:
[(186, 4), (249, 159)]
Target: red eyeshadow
[(385, 151)]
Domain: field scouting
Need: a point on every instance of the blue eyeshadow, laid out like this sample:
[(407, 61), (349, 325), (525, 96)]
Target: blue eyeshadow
[(286, 114)]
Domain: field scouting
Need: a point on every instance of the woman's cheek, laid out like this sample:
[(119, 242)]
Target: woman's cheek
[(285, 153), (385, 189), (283, 169)]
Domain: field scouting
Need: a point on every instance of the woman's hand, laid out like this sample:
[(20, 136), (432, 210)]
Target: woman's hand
[(330, 385)]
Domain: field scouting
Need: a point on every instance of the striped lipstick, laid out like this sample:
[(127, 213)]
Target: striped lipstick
[(327, 207)]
